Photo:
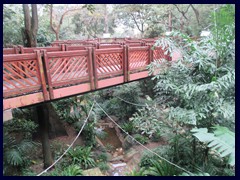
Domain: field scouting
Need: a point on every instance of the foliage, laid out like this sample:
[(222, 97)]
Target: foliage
[(109, 147), (155, 166), (161, 168), (200, 74), (93, 24), (63, 108), (100, 133), (44, 35), (147, 87), (128, 127), (221, 140), (136, 15), (103, 157), (200, 92), (18, 147), (24, 126), (109, 99), (88, 133), (82, 156), (12, 23), (134, 172), (140, 138), (194, 174), (146, 120), (103, 166), (156, 136), (15, 154), (148, 158), (72, 170), (28, 172)]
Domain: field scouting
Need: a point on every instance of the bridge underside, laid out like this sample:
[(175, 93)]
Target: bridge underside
[(35, 98)]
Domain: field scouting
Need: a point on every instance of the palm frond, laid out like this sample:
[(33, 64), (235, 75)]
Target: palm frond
[(222, 141)]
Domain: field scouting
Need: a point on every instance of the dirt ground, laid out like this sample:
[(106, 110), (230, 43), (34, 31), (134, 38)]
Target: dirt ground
[(131, 164), (63, 140)]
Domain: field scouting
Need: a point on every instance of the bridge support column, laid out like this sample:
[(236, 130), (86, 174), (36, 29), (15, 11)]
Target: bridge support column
[(42, 117), (7, 115)]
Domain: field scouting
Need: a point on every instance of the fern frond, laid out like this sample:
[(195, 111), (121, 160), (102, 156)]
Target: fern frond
[(14, 157), (222, 141)]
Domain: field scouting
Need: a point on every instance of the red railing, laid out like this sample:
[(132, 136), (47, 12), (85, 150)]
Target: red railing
[(22, 74), (56, 72), (13, 50)]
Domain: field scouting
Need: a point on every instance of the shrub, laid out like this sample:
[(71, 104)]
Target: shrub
[(103, 157), (82, 156), (140, 138), (134, 172), (103, 166), (161, 168), (128, 127)]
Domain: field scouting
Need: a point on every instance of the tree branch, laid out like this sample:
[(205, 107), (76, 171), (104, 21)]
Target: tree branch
[(182, 12), (51, 19), (136, 23), (64, 14), (196, 13)]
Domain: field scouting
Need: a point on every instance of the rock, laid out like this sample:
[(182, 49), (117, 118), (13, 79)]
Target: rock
[(129, 155), (118, 165), (118, 158), (93, 172), (116, 174), (109, 120)]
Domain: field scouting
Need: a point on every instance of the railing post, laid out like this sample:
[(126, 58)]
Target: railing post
[(150, 51), (42, 76), (90, 68), (66, 47), (63, 47), (125, 64), (49, 79), (24, 63), (94, 68), (16, 50), (21, 49)]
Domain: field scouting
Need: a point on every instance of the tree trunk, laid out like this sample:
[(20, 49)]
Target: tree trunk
[(34, 26), (49, 123), (57, 36), (29, 31), (42, 114), (106, 19)]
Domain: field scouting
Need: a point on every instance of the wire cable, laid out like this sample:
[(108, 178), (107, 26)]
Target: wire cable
[(85, 122), (142, 105), (142, 144)]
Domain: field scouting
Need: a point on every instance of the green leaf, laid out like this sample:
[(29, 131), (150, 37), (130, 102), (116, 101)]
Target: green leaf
[(222, 140)]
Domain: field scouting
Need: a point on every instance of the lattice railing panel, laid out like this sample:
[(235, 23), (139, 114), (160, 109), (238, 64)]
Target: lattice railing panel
[(158, 54), (68, 68), (138, 59), (21, 76), (109, 63)]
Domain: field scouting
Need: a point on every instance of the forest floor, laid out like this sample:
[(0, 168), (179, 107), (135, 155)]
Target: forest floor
[(119, 165)]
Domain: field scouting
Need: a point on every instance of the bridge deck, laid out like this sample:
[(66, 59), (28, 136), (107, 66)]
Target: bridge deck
[(40, 76)]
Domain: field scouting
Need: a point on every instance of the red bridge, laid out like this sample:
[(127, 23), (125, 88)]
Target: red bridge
[(34, 75)]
